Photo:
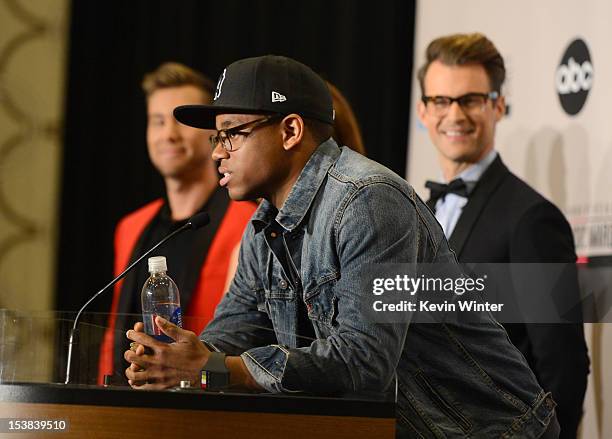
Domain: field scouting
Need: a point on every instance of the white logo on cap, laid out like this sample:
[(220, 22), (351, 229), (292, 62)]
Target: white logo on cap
[(219, 84), (277, 97)]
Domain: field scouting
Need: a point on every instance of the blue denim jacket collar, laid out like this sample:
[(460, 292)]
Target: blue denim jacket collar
[(303, 191)]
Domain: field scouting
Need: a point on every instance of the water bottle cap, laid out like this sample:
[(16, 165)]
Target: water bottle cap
[(157, 264)]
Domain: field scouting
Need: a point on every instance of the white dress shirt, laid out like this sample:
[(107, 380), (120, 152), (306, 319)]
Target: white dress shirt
[(449, 208)]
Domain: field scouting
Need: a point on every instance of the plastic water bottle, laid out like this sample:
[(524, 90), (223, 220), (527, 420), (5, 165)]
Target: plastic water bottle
[(160, 297)]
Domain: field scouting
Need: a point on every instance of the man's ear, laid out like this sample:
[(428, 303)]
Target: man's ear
[(500, 108), (421, 111), (292, 130)]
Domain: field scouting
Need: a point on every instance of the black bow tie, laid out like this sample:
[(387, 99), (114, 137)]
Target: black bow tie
[(440, 190)]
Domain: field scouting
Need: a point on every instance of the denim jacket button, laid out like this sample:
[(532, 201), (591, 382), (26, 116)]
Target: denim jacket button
[(282, 284)]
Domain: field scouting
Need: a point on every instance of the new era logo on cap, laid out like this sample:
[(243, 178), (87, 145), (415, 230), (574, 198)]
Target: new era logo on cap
[(277, 97)]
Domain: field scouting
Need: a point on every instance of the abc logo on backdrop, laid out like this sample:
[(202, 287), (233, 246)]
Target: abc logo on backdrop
[(574, 77)]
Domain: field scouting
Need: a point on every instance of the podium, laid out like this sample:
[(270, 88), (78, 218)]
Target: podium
[(122, 412), (33, 352)]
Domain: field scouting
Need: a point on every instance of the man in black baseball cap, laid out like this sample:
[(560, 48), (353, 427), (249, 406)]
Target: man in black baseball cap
[(254, 97), (294, 317), (268, 84)]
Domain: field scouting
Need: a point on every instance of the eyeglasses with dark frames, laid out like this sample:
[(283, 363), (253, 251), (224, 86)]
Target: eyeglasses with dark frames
[(470, 103), (229, 135)]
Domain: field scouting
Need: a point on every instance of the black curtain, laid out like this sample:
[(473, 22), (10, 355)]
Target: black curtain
[(363, 47)]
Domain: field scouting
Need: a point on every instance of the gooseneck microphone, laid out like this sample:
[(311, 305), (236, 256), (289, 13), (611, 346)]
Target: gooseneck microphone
[(199, 220)]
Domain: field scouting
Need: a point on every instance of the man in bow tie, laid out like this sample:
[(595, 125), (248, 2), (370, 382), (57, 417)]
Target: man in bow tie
[(490, 215)]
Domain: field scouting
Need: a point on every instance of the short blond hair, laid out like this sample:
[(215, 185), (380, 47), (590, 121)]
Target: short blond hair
[(173, 74)]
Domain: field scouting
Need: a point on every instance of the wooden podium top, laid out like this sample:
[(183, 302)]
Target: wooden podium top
[(96, 411)]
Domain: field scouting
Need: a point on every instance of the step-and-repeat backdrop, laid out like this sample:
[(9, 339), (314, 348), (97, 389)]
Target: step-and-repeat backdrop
[(558, 133)]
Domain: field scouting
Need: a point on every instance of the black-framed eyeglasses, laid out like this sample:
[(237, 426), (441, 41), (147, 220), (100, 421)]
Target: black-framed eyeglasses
[(471, 103), (229, 135)]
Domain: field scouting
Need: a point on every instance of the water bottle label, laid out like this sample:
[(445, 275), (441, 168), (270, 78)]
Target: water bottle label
[(175, 318)]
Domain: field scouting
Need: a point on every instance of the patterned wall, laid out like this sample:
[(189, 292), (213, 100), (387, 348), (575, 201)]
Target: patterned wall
[(32, 75), (32, 70)]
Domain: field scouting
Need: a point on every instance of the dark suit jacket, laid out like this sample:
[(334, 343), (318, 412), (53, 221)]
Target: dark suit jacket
[(504, 221)]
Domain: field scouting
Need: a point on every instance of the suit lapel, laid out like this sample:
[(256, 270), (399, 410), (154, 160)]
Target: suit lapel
[(487, 184), (430, 203)]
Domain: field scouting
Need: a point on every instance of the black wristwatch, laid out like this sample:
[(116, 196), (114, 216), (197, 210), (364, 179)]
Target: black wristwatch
[(215, 374)]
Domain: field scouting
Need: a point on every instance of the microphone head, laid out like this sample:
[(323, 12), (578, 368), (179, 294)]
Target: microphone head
[(199, 220)]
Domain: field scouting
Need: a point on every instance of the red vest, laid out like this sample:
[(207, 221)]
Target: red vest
[(213, 275)]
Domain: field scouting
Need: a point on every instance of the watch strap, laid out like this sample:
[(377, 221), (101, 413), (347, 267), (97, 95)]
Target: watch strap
[(215, 374)]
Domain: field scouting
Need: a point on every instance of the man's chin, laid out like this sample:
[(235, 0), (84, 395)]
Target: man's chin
[(173, 172), (459, 152), (238, 195), (235, 195)]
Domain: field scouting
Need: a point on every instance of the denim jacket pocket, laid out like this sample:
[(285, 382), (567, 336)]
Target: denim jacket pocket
[(268, 299), (279, 294), (322, 304)]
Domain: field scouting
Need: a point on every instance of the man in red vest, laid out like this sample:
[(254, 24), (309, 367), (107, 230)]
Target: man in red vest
[(198, 261)]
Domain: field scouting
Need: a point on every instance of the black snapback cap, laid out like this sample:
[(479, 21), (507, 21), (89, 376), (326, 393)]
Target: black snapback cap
[(266, 84)]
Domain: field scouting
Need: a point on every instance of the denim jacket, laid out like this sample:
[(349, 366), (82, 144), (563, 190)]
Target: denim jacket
[(346, 211)]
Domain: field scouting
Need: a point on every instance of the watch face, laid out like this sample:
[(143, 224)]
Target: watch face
[(214, 380)]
